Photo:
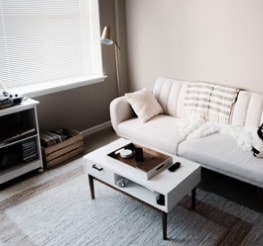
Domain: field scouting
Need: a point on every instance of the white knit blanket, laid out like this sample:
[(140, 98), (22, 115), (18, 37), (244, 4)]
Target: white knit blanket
[(244, 136), (209, 101)]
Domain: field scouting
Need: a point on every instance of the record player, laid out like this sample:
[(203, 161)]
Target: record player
[(7, 99)]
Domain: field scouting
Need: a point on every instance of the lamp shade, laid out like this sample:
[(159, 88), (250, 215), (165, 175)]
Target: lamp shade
[(106, 36)]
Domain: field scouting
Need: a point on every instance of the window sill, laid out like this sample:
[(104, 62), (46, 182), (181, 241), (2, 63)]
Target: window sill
[(55, 86)]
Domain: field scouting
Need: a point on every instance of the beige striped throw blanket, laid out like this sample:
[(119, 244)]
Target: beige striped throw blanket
[(210, 101)]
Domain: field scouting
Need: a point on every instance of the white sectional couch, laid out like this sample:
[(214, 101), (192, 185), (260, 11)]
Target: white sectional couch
[(221, 147)]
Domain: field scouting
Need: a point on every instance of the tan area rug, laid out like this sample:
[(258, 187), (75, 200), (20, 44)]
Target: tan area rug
[(59, 211)]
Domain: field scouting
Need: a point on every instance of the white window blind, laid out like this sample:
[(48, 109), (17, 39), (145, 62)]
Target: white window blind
[(44, 41)]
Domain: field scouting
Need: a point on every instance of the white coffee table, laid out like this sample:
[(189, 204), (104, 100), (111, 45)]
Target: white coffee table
[(172, 186)]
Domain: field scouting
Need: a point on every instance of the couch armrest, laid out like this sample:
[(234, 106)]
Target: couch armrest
[(120, 110)]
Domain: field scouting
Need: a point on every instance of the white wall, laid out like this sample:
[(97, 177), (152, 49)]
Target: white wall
[(211, 40)]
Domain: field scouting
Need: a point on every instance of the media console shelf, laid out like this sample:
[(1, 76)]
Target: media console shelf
[(20, 150)]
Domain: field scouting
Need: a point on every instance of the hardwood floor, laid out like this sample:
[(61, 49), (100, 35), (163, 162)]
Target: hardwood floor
[(232, 189), (99, 139)]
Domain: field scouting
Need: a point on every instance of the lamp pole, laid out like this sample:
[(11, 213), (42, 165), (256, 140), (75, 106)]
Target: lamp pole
[(117, 48), (106, 39)]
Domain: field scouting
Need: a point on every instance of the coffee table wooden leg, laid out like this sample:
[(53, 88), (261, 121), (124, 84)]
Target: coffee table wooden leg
[(193, 199), (164, 225), (91, 187)]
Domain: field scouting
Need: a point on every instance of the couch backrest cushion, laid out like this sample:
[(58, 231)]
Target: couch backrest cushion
[(248, 110), (170, 94)]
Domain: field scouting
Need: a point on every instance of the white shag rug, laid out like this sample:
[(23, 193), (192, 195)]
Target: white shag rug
[(55, 208)]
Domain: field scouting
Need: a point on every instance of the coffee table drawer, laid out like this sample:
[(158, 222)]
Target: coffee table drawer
[(98, 171)]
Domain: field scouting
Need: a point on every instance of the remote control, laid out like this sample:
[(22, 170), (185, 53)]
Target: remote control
[(174, 166)]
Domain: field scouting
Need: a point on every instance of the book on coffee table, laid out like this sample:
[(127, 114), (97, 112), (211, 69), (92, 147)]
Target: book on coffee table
[(152, 163)]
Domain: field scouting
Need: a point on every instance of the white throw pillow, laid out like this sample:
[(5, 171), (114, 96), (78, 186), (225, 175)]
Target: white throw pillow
[(144, 104)]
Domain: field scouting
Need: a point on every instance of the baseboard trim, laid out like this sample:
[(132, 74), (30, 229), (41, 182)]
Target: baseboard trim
[(96, 128)]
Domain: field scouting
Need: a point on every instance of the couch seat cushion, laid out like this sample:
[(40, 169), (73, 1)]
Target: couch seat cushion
[(161, 132), (220, 153)]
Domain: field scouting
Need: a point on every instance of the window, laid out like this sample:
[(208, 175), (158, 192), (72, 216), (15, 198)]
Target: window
[(45, 44)]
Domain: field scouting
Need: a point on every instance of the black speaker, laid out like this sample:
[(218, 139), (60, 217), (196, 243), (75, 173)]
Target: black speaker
[(160, 199), (138, 154)]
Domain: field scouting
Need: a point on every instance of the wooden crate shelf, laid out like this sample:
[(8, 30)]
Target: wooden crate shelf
[(64, 151)]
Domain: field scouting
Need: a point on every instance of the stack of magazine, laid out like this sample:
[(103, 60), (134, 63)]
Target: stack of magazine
[(49, 138), (29, 150)]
